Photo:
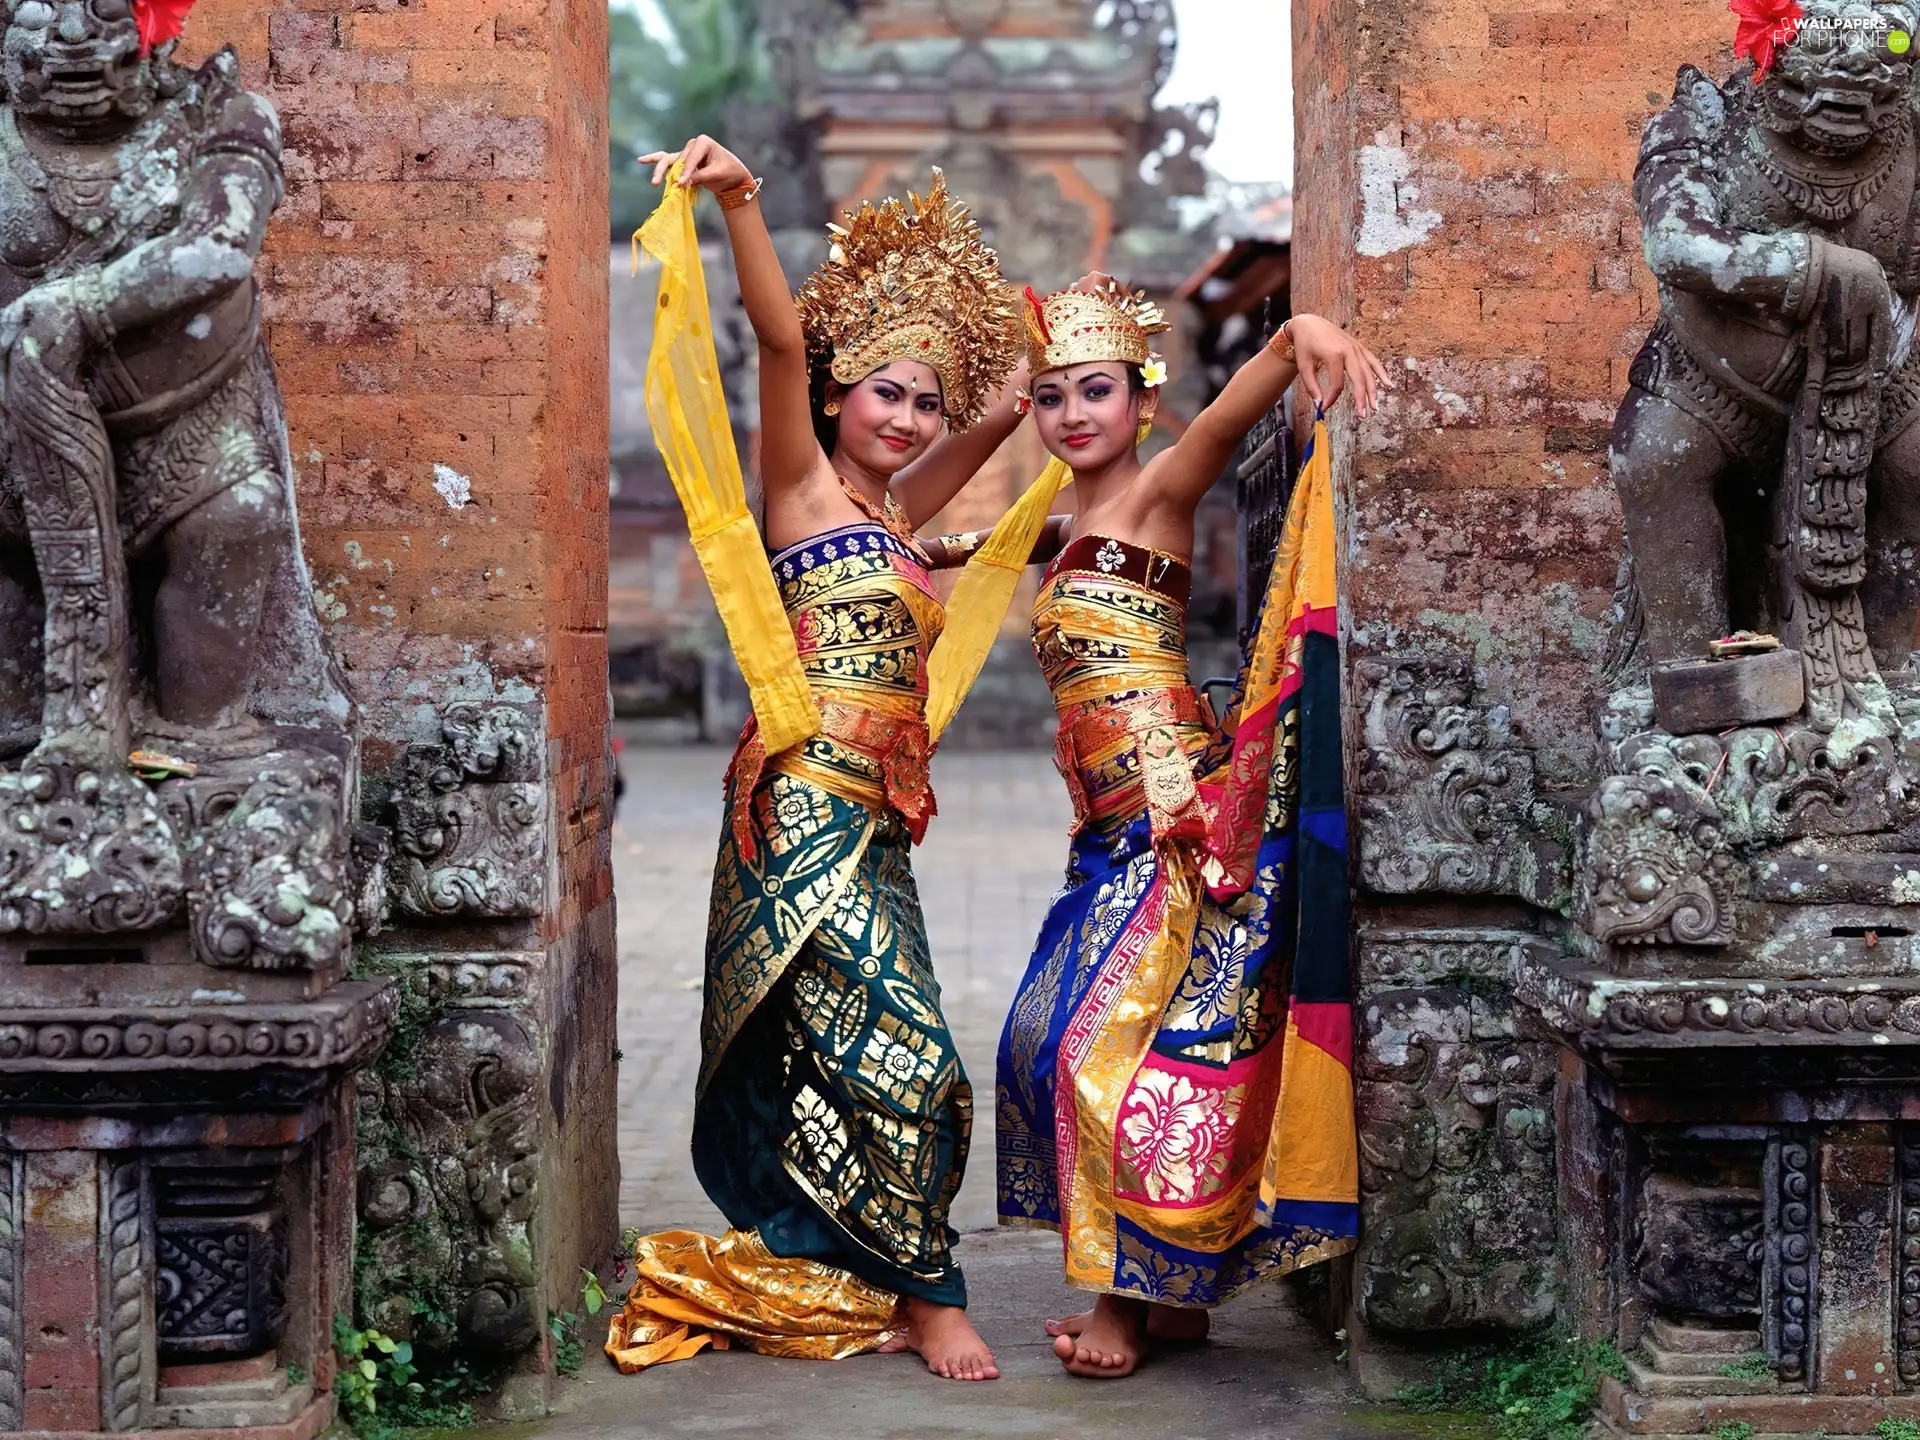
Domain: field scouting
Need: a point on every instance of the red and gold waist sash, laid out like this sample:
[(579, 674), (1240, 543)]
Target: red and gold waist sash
[(1130, 754), (870, 758)]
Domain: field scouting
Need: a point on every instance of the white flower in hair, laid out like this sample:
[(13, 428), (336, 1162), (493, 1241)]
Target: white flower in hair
[(1154, 372)]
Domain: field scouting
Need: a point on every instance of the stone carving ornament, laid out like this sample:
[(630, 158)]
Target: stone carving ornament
[(1445, 793), (269, 884), (455, 1205), (1456, 1148), (1657, 867), (470, 832), (1780, 219)]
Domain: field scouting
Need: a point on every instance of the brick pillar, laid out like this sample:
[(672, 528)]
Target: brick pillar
[(1463, 201), (1463, 198), (61, 1378), (436, 301)]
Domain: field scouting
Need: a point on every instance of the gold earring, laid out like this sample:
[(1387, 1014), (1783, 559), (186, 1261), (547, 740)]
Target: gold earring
[(832, 407)]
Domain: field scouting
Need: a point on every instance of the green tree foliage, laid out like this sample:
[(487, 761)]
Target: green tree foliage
[(693, 66)]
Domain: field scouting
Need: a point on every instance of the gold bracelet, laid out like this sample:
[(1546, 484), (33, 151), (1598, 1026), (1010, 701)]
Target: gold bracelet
[(1282, 342), (738, 196), (959, 547)]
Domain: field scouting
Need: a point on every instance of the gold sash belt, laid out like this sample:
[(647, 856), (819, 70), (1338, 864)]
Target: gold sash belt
[(1147, 722), (897, 745)]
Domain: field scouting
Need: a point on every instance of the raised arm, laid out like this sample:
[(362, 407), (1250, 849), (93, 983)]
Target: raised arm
[(924, 487), (789, 453), (1325, 359)]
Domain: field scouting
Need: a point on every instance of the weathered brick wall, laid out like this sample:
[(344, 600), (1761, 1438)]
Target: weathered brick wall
[(1464, 173), (436, 302)]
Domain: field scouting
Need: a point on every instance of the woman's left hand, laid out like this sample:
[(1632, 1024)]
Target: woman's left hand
[(1328, 356)]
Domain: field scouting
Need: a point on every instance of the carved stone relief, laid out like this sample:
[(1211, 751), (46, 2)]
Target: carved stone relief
[(84, 849), (1456, 1138), (1787, 1281), (1698, 1251), (1906, 1291), (471, 818), (12, 1302), (221, 1262), (448, 1140), (1446, 795), (125, 1376), (1656, 865), (270, 886)]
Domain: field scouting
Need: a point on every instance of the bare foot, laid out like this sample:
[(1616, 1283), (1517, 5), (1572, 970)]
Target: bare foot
[(1110, 1342), (942, 1336), (1173, 1324)]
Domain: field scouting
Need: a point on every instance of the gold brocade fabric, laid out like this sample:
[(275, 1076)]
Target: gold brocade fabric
[(1109, 631), (866, 617), (1175, 1089), (832, 1114), (692, 1291)]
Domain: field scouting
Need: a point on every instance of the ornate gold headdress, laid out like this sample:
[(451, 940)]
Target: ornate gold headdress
[(914, 282), (1080, 327)]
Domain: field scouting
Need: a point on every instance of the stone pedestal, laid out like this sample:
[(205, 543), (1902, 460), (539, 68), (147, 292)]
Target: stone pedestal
[(1741, 1053)]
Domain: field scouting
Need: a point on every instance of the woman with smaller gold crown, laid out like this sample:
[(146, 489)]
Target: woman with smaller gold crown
[(832, 1114), (1175, 1093)]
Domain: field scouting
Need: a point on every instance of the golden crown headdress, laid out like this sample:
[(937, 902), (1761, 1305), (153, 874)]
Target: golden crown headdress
[(1081, 327), (914, 281)]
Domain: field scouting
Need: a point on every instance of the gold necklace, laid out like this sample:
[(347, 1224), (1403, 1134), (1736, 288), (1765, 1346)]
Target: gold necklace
[(887, 514)]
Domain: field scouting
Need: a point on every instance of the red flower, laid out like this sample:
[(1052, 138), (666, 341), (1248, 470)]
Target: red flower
[(160, 21), (1763, 25)]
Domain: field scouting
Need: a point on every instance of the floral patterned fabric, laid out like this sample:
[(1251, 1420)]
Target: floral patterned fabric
[(832, 1115), (1175, 1092)]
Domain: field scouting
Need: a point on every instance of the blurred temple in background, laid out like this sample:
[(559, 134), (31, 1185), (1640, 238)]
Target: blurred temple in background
[(1043, 115)]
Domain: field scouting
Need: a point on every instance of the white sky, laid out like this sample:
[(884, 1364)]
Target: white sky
[(1241, 52)]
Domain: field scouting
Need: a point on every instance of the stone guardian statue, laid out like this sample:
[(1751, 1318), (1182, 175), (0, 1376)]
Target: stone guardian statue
[(153, 597), (1766, 455)]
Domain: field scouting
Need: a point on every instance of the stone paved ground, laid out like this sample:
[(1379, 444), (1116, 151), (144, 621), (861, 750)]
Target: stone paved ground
[(989, 865)]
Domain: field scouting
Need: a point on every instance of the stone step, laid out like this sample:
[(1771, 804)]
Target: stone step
[(1688, 1362), (271, 1387), (218, 1372), (1703, 1339), (1648, 1381), (231, 1414)]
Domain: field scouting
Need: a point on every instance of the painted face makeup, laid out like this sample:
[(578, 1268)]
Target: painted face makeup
[(1087, 414), (888, 420)]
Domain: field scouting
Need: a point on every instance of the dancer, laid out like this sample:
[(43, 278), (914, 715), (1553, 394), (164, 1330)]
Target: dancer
[(1175, 1092), (832, 1114)]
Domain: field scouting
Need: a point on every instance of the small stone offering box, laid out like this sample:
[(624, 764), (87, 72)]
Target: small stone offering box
[(1694, 697)]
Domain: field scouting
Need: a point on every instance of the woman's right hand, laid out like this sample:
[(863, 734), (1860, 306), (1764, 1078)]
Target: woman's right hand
[(706, 162)]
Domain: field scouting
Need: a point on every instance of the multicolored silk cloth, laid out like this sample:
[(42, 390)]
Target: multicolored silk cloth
[(1175, 1090), (832, 1114)]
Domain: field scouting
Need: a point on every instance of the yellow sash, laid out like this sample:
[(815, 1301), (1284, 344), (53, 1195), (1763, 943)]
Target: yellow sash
[(688, 411), (982, 595)]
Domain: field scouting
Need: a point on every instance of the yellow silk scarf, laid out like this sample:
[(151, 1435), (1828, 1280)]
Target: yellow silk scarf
[(981, 597), (688, 411)]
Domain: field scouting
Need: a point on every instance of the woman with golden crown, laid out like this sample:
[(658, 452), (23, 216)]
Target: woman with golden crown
[(832, 1114), (1175, 1092)]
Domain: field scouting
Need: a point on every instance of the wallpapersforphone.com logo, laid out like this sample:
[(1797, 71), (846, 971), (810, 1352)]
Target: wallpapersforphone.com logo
[(1866, 27)]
